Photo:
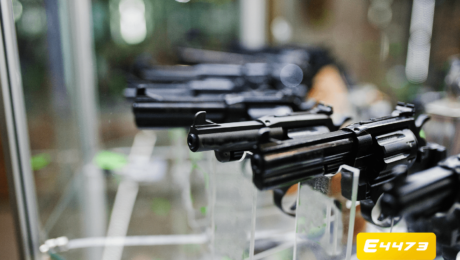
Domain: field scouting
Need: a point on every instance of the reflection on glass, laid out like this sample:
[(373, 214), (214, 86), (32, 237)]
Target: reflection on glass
[(33, 20), (17, 10)]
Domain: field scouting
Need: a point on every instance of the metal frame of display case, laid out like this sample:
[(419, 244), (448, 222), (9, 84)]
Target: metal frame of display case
[(78, 57), (13, 121), (15, 139)]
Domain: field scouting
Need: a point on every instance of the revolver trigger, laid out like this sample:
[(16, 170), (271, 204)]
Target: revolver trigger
[(278, 195), (372, 212)]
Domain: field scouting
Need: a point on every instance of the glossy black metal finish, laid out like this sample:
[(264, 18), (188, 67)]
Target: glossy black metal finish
[(155, 109), (268, 82), (190, 88), (231, 140), (374, 146), (254, 67), (432, 197), (424, 193)]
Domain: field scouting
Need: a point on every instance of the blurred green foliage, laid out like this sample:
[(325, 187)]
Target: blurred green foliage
[(203, 210), (40, 161), (110, 161)]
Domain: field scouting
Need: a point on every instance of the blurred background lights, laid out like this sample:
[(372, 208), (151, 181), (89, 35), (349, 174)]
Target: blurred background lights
[(418, 51), (33, 21), (253, 25), (281, 30), (183, 1), (17, 10), (133, 26), (291, 75), (379, 13)]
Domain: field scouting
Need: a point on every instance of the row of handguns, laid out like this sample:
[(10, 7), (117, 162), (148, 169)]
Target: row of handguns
[(273, 82), (248, 110)]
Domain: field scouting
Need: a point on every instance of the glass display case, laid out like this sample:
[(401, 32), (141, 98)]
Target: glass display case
[(88, 184)]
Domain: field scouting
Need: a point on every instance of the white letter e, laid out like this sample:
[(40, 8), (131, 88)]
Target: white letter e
[(369, 245)]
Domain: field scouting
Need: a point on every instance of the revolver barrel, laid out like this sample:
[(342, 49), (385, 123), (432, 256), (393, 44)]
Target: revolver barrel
[(231, 140)]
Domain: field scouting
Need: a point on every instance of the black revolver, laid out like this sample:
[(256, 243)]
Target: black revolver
[(154, 108), (256, 68), (208, 86), (180, 73), (430, 197), (231, 140), (374, 147), (209, 78), (310, 60)]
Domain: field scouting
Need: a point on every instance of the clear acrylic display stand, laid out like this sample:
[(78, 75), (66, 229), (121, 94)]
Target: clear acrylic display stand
[(233, 211), (324, 224), (325, 220)]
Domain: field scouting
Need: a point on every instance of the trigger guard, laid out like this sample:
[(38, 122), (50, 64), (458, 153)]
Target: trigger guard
[(371, 212), (278, 195)]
